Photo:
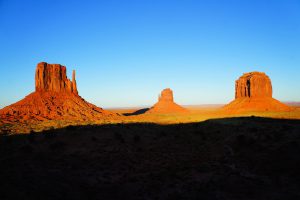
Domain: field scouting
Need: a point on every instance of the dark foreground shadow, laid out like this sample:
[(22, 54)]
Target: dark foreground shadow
[(231, 158), (138, 112)]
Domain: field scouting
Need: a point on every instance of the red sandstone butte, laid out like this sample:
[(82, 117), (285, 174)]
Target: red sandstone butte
[(166, 104), (52, 77), (253, 92), (55, 97)]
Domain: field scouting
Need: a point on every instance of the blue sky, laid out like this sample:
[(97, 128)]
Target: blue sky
[(126, 52)]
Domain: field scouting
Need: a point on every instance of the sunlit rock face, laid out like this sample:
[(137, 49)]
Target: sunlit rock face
[(253, 84), (253, 92), (55, 98), (53, 77), (166, 96), (166, 104)]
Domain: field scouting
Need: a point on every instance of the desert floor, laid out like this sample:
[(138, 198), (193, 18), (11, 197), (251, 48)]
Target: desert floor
[(197, 114), (138, 115)]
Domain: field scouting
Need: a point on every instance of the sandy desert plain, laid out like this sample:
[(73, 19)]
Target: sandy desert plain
[(196, 113), (199, 113)]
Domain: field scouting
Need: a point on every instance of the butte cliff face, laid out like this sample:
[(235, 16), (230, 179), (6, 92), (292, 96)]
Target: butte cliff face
[(55, 98), (166, 104), (253, 92), (166, 96), (253, 85), (53, 77)]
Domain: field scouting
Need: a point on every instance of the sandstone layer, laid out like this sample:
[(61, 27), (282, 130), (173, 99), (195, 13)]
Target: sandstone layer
[(166, 104), (53, 77), (253, 93), (55, 98)]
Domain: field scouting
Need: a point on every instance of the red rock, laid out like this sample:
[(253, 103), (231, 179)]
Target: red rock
[(55, 98), (53, 105), (74, 83), (253, 92), (253, 84), (166, 104), (166, 96), (53, 77)]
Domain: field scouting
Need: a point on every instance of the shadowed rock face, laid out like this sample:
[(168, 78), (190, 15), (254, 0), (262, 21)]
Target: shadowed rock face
[(253, 92), (52, 77), (253, 84), (166, 104), (55, 98)]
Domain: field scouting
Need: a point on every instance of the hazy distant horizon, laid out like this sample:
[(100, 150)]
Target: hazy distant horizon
[(126, 52)]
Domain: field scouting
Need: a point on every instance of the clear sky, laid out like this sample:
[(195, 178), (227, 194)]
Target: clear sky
[(125, 52)]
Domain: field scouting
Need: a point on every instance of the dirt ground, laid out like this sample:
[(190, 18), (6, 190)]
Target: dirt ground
[(138, 115)]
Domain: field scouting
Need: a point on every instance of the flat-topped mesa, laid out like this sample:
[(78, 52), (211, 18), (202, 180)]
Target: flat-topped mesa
[(166, 95), (53, 77), (253, 92), (253, 85)]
